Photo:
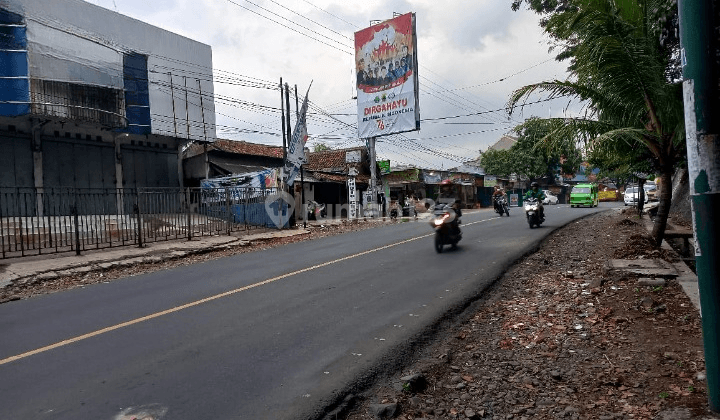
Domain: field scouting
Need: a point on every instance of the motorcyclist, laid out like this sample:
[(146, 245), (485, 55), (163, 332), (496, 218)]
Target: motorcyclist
[(536, 192), (456, 206), (497, 193)]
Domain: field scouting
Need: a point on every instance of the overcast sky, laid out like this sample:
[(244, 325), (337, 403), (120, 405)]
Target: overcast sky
[(471, 56)]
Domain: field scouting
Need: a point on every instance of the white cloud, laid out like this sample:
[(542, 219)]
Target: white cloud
[(464, 49)]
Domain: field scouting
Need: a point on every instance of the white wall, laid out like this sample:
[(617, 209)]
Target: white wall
[(79, 42)]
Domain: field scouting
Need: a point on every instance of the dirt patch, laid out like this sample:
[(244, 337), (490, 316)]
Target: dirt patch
[(561, 336)]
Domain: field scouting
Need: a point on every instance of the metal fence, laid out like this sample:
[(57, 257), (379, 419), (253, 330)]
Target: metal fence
[(53, 220)]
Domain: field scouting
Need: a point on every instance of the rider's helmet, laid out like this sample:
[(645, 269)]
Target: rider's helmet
[(534, 185)]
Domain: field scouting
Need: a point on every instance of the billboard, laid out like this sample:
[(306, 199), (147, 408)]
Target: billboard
[(387, 79)]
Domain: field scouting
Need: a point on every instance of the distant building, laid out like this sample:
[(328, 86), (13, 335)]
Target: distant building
[(228, 157), (327, 173), (90, 98), (505, 143)]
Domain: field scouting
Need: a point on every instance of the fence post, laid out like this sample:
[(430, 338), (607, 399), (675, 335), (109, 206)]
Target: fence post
[(189, 213), (2, 224), (76, 220), (227, 206), (138, 218)]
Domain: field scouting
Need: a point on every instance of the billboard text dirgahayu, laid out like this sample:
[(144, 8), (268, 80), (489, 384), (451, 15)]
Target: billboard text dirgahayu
[(387, 82)]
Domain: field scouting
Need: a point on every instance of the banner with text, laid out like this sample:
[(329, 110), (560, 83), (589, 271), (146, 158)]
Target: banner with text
[(296, 148), (387, 80)]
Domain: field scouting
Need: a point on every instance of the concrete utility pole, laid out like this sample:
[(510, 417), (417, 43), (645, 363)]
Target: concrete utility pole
[(699, 46), (291, 220), (373, 176), (282, 120), (373, 163)]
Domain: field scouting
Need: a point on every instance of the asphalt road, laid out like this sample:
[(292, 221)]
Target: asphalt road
[(273, 334)]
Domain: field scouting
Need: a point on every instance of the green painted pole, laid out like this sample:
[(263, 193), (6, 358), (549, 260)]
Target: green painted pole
[(701, 97)]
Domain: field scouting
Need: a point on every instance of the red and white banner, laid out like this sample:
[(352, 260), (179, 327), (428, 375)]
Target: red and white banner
[(387, 82)]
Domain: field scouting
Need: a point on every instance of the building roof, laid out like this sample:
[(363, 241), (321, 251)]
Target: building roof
[(330, 160), (237, 147), (468, 169), (246, 148), (505, 143), (229, 166)]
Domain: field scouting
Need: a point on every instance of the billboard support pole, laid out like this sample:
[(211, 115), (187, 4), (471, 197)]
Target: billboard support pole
[(373, 171)]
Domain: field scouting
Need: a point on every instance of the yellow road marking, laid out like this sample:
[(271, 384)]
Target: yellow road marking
[(196, 303), (207, 299)]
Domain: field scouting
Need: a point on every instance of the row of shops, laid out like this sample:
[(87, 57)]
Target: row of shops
[(340, 179)]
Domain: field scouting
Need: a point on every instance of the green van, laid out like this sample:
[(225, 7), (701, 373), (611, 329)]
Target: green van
[(584, 195)]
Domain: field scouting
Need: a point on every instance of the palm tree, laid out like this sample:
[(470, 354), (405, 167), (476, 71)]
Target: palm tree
[(624, 75)]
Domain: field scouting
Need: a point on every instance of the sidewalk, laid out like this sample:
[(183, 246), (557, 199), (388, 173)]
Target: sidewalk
[(51, 266)]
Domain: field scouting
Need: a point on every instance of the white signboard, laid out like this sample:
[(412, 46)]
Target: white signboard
[(352, 156), (352, 192), (352, 199)]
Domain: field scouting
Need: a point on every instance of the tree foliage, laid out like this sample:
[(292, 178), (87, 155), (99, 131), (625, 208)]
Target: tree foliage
[(528, 159), (498, 162), (321, 147), (624, 71)]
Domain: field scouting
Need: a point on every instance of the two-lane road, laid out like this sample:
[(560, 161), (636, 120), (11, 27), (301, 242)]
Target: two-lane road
[(265, 335)]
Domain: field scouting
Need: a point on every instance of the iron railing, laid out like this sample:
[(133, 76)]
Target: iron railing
[(54, 220)]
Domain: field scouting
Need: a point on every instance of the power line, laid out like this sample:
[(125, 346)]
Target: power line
[(286, 26), (507, 77)]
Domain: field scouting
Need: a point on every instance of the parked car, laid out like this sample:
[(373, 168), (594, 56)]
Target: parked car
[(651, 191), (632, 195), (550, 198)]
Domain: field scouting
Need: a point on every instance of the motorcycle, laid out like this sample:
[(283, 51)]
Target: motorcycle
[(316, 210), (532, 212), (501, 206), (408, 210), (447, 230)]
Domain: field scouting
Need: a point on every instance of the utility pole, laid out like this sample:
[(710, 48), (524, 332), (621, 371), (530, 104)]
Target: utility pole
[(291, 221), (373, 171), (282, 120), (285, 141), (698, 41), (373, 163)]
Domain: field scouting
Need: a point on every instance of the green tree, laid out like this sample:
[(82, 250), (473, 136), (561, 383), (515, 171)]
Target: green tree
[(624, 75), (497, 162), (528, 159), (534, 160), (321, 147)]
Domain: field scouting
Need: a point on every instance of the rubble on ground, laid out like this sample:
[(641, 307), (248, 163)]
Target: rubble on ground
[(563, 336)]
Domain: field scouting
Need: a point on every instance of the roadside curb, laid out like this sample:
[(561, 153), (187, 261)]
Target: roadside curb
[(50, 267), (686, 278), (53, 266)]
